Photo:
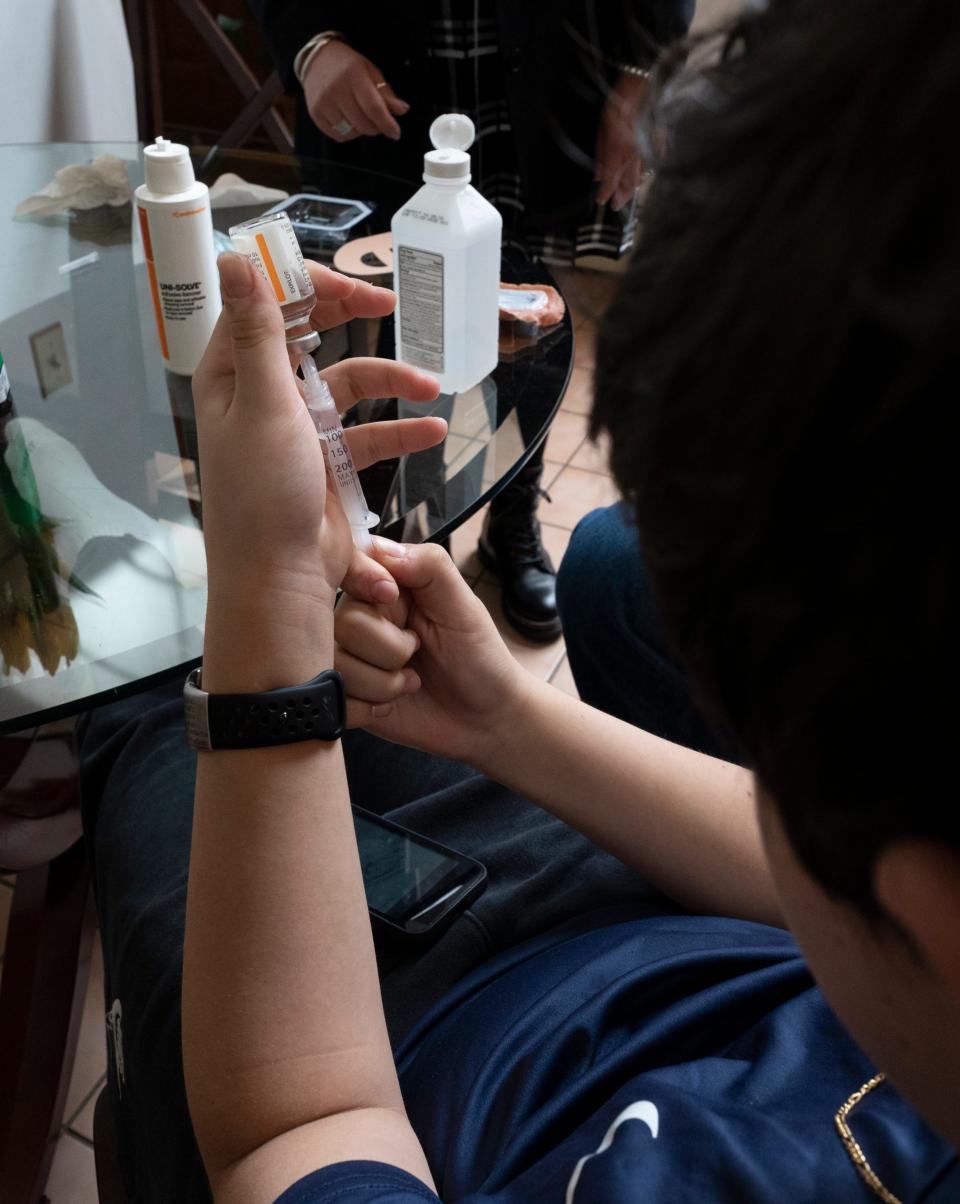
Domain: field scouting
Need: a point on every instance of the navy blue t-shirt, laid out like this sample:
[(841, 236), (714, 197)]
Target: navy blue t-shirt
[(679, 1059)]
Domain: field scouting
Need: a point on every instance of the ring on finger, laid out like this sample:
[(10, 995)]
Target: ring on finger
[(343, 128)]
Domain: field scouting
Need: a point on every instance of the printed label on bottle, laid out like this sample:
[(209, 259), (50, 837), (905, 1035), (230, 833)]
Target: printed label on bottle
[(152, 277), (424, 215), (182, 299), (275, 253), (182, 275), (173, 300), (420, 284)]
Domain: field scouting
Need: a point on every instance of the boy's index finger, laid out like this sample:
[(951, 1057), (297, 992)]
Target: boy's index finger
[(340, 298)]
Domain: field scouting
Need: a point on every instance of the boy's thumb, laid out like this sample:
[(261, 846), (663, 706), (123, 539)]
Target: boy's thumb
[(254, 322), (427, 570)]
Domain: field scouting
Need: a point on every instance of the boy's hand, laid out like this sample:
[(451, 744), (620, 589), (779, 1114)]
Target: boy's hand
[(267, 516), (278, 545), (430, 670)]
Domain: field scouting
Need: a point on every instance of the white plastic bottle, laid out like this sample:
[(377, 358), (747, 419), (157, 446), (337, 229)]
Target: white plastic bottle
[(173, 214), (446, 266)]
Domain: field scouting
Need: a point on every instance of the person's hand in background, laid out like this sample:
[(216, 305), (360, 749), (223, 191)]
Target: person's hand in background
[(342, 86), (430, 670), (276, 541), (618, 165)]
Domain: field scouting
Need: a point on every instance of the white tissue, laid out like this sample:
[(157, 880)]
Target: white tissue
[(80, 186), (230, 190)]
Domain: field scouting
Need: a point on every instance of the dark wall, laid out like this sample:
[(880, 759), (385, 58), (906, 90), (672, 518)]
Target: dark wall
[(195, 96)]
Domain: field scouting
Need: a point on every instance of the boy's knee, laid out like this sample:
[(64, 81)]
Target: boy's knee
[(598, 562)]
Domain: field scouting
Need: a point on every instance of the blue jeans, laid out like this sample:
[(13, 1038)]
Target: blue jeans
[(138, 779), (613, 636)]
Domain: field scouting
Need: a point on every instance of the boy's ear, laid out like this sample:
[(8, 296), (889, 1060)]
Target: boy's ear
[(917, 883)]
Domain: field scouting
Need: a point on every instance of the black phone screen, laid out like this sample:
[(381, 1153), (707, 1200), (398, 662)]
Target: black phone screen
[(406, 875)]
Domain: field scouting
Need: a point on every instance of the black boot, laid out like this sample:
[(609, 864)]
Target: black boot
[(510, 547)]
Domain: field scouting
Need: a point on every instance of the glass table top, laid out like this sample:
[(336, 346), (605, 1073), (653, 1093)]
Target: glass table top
[(102, 571)]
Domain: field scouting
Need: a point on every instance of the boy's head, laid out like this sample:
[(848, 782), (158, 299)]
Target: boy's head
[(779, 375)]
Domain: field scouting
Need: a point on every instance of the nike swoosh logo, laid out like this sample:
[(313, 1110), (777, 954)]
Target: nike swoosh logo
[(644, 1111)]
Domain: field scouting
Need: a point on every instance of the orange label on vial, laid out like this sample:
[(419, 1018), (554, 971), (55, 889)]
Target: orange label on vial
[(271, 268)]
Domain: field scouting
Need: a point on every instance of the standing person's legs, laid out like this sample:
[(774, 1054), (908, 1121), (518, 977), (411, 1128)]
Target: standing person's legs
[(511, 547), (613, 636)]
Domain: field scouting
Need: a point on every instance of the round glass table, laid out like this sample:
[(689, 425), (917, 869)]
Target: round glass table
[(102, 572)]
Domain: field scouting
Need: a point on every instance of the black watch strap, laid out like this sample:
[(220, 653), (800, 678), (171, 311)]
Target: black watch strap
[(314, 711)]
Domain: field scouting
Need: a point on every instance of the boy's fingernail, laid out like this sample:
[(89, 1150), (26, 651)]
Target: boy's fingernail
[(381, 709), (236, 275), (389, 548), (411, 682), (385, 591)]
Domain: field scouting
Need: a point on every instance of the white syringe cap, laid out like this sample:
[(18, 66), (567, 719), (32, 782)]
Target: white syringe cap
[(452, 135), (167, 167)]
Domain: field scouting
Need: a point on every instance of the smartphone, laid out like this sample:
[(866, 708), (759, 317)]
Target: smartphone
[(414, 886)]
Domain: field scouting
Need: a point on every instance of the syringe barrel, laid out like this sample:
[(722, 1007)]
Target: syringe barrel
[(344, 473), (337, 455)]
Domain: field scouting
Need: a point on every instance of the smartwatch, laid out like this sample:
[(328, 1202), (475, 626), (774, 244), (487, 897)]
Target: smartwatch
[(314, 711)]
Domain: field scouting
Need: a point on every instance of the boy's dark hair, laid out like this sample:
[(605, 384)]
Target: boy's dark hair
[(779, 375)]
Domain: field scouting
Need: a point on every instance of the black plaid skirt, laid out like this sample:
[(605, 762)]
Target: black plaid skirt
[(467, 77)]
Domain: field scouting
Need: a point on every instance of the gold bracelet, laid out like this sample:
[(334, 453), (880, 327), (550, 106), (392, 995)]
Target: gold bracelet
[(852, 1146)]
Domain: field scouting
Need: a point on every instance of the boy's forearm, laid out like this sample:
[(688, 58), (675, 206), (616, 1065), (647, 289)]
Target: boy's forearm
[(683, 820), (282, 1017)]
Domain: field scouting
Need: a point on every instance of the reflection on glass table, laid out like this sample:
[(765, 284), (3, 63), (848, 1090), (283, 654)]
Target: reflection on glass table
[(93, 590), (111, 438)]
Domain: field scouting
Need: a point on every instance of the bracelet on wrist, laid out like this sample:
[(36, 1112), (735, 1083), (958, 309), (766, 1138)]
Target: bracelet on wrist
[(308, 51), (631, 69)]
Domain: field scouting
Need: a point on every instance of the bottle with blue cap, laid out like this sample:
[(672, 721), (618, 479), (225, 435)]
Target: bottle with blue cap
[(446, 266)]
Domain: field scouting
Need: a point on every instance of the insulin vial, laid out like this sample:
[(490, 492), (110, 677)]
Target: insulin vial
[(271, 246)]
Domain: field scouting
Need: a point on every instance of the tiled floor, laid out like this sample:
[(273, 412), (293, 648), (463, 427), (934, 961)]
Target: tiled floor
[(72, 1179), (576, 479)]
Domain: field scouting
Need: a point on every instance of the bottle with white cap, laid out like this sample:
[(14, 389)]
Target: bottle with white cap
[(173, 214), (446, 266)]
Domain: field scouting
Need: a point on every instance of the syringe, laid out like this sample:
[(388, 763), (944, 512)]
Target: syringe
[(336, 452)]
